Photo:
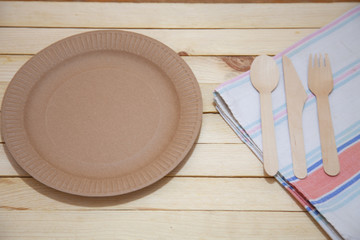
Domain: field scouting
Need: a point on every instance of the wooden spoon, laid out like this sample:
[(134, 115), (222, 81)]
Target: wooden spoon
[(264, 74)]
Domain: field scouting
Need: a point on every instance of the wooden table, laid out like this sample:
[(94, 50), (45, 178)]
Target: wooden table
[(219, 191)]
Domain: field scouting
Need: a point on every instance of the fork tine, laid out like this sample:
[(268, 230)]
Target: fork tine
[(310, 62), (327, 60), (316, 62), (321, 60), (328, 69)]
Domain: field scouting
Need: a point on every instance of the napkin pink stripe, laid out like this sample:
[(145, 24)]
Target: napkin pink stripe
[(350, 165), (299, 43), (345, 75), (320, 31), (276, 117)]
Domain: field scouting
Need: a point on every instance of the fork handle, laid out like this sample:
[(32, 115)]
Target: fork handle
[(327, 139), (270, 158)]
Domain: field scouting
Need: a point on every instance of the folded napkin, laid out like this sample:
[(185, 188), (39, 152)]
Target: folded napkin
[(333, 201)]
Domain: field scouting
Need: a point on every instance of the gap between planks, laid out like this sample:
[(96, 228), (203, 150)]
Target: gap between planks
[(167, 225), (209, 71), (169, 15), (213, 130), (167, 193), (206, 160), (193, 42), (4, 209), (170, 175)]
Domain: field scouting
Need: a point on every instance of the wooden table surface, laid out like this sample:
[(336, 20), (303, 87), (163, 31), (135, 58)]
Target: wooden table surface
[(220, 190)]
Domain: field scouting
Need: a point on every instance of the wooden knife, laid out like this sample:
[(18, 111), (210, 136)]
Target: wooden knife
[(295, 100)]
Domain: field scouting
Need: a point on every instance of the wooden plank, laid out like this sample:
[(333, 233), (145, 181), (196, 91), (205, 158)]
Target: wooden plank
[(8, 165), (3, 86), (212, 70), (205, 160), (185, 193), (226, 160), (217, 70), (157, 225), (130, 15), (190, 42), (206, 69), (220, 160), (214, 130), (209, 1), (10, 64), (209, 71), (211, 150), (207, 96), (206, 91)]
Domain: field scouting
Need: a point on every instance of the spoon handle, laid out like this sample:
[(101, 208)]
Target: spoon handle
[(327, 139), (270, 158)]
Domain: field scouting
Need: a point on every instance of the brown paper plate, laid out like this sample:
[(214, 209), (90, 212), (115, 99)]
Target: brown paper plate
[(102, 113)]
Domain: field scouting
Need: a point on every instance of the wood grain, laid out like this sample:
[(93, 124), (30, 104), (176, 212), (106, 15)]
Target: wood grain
[(130, 15), (214, 130), (227, 160), (207, 69), (206, 91), (219, 152), (189, 193), (193, 42), (197, 1), (157, 225)]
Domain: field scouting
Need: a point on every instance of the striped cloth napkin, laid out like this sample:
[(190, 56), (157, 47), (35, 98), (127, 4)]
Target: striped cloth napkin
[(333, 201)]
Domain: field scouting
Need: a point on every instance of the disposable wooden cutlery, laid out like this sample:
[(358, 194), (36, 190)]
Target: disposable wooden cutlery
[(321, 84), (264, 75), (295, 100)]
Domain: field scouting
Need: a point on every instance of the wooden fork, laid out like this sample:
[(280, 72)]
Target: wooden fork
[(321, 84)]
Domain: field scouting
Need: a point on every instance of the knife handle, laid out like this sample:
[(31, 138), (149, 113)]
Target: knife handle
[(270, 158), (297, 142)]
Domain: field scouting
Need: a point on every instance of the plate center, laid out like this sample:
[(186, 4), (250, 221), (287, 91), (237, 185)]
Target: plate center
[(105, 113)]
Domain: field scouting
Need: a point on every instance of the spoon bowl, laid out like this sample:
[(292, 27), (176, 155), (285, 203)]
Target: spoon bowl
[(264, 74)]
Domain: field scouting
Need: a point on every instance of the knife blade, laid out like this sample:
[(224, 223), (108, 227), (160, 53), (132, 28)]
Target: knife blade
[(295, 100)]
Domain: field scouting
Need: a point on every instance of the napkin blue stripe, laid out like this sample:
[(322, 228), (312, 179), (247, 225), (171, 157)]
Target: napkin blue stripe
[(343, 203), (319, 162), (341, 138), (295, 51), (338, 190)]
